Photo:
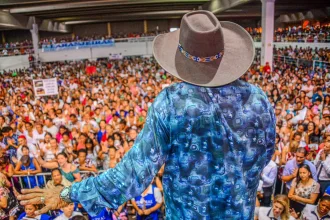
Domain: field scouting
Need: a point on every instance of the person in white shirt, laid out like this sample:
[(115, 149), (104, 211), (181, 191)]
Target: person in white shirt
[(322, 164), (313, 212), (68, 213), (38, 133), (22, 142), (308, 88), (279, 211), (50, 127), (268, 177)]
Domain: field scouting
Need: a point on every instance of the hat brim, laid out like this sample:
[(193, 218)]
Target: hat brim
[(238, 56)]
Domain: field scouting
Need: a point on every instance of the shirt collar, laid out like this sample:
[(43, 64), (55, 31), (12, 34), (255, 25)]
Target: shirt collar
[(270, 214), (314, 212)]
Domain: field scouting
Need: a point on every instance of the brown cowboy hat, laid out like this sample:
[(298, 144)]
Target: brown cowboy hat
[(204, 51)]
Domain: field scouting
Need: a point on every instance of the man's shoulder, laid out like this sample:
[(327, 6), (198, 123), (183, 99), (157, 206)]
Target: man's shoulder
[(237, 86)]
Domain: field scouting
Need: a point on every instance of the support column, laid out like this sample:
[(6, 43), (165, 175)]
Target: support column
[(3, 37), (109, 29), (267, 25), (145, 26), (35, 41)]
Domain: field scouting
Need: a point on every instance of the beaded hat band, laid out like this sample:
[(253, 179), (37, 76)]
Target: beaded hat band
[(199, 59)]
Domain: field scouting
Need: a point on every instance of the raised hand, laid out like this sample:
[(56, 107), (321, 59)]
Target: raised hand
[(48, 197)]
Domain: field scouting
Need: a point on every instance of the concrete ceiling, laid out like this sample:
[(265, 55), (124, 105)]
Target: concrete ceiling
[(69, 12)]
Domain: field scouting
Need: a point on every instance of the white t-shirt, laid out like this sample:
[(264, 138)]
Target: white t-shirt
[(37, 137), (63, 217), (53, 130), (157, 194), (308, 90), (32, 148)]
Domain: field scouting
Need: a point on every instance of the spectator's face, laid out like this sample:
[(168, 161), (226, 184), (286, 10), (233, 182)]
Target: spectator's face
[(30, 209), (38, 127), (82, 157), (53, 143), (61, 160), (110, 142), (300, 158), (310, 126), (102, 124), (73, 119), (57, 177), (21, 141), (297, 138), (112, 153), (68, 210), (327, 121), (327, 147), (66, 138), (277, 209), (25, 151), (304, 174), (132, 134), (324, 207)]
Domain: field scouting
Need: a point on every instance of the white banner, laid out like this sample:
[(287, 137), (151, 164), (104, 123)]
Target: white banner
[(45, 87), (115, 56)]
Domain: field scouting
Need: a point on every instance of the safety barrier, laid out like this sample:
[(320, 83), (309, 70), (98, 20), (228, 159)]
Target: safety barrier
[(43, 175)]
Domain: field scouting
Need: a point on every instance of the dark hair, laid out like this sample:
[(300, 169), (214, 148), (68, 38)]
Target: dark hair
[(55, 169), (78, 217), (307, 168), (24, 146), (112, 148), (302, 150), (66, 133), (63, 154), (325, 198), (82, 151)]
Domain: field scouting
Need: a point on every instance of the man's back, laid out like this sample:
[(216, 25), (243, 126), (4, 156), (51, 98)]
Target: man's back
[(214, 143), (221, 139)]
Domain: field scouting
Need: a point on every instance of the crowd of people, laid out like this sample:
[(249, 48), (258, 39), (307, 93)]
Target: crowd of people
[(87, 129), (97, 116), (16, 48), (309, 34)]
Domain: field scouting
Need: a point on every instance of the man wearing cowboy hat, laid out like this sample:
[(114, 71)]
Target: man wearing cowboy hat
[(214, 133)]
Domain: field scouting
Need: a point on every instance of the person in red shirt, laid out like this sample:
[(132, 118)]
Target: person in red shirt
[(267, 68)]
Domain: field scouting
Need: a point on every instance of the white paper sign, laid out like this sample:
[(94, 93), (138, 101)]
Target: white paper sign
[(45, 87)]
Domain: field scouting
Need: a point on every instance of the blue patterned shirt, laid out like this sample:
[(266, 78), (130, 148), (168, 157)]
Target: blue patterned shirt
[(214, 143)]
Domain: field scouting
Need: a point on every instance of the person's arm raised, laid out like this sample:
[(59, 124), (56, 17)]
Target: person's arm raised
[(130, 177)]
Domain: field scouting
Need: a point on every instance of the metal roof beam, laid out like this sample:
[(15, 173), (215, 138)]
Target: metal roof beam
[(218, 6), (101, 3)]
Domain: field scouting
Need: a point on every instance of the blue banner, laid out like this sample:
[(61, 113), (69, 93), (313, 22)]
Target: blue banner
[(78, 45)]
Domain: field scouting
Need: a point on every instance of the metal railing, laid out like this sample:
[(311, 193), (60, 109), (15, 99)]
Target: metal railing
[(304, 62), (44, 176)]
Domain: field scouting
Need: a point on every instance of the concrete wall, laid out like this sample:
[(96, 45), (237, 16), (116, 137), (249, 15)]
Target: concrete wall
[(126, 27), (90, 29), (14, 62)]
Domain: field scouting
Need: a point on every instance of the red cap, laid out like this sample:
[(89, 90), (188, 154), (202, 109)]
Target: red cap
[(22, 136)]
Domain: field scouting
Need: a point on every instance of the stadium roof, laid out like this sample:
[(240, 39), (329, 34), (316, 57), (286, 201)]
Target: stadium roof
[(61, 14)]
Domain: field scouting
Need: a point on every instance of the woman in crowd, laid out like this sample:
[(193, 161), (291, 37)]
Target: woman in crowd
[(29, 213), (29, 167), (279, 210), (313, 134), (9, 206), (148, 203), (304, 189), (83, 163), (68, 170)]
